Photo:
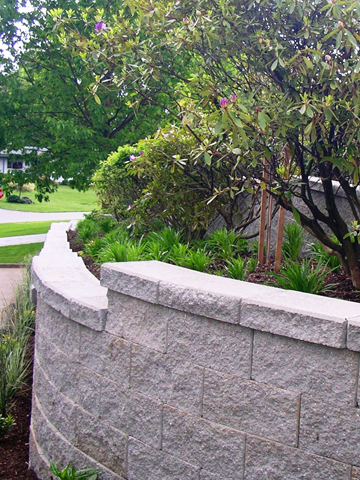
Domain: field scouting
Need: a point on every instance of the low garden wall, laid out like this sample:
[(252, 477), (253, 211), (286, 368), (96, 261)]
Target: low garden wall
[(163, 373)]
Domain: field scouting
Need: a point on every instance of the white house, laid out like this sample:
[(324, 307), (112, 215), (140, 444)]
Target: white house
[(16, 159)]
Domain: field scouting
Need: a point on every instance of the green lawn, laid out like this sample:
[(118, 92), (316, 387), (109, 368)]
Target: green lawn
[(16, 253), (64, 200), (23, 228)]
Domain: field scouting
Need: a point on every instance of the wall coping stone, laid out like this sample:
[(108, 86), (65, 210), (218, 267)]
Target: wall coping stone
[(235, 301), (63, 282)]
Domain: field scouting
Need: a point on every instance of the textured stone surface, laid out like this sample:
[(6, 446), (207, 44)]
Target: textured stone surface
[(58, 329), (149, 464), (57, 408), (131, 413), (205, 444), (139, 321), (164, 393), (353, 334), (120, 278), (206, 304), (316, 329), (330, 431), (324, 373), (164, 378), (252, 407), (210, 343), (100, 441), (106, 354), (270, 461)]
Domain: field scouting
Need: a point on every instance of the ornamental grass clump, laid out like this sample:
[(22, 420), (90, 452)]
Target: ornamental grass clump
[(226, 244), (16, 328), (319, 253), (302, 276), (293, 242)]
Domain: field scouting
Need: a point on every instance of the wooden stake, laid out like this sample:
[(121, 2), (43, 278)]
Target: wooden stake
[(263, 205)]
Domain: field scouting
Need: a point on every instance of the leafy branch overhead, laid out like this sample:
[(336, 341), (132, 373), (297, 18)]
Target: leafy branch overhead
[(262, 76)]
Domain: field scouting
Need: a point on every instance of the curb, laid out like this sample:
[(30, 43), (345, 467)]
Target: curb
[(11, 265)]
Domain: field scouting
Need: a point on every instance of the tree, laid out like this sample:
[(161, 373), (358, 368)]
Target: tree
[(46, 102), (292, 72)]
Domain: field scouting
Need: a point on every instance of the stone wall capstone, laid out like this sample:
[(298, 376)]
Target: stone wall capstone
[(163, 373)]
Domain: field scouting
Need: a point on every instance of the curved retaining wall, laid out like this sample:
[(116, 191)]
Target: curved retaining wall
[(163, 373)]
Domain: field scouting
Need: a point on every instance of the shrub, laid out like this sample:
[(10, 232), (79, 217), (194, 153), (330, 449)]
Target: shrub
[(116, 189), (14, 199)]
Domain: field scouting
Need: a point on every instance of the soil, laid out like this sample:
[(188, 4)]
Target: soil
[(342, 286)]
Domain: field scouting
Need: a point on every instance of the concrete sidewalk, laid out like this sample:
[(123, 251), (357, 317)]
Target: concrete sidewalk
[(9, 279), (22, 240)]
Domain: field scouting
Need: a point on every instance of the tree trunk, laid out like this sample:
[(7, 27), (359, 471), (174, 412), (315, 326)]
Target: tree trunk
[(353, 263)]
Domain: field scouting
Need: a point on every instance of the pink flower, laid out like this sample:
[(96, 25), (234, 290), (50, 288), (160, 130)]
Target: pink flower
[(141, 153), (224, 102), (99, 26), (233, 98), (132, 158), (328, 58)]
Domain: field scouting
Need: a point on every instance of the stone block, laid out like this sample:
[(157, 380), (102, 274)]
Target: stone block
[(353, 334), (100, 441), (59, 330), (149, 464), (251, 407), (84, 311), (54, 446), (218, 449), (278, 462), (200, 302), (292, 323), (165, 378), (210, 343), (133, 414), (138, 321), (321, 372), (330, 431), (106, 354), (57, 408), (121, 278), (37, 460)]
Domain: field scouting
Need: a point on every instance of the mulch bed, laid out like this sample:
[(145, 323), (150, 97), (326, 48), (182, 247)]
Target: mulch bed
[(342, 289)]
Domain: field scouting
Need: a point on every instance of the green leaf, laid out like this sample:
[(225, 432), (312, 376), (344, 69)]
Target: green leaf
[(237, 121), (262, 117), (351, 38), (296, 215), (219, 126), (244, 138), (207, 158), (274, 65), (97, 99), (338, 39), (308, 63)]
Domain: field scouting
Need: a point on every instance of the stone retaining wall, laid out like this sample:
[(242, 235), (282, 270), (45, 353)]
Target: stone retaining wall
[(163, 373)]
